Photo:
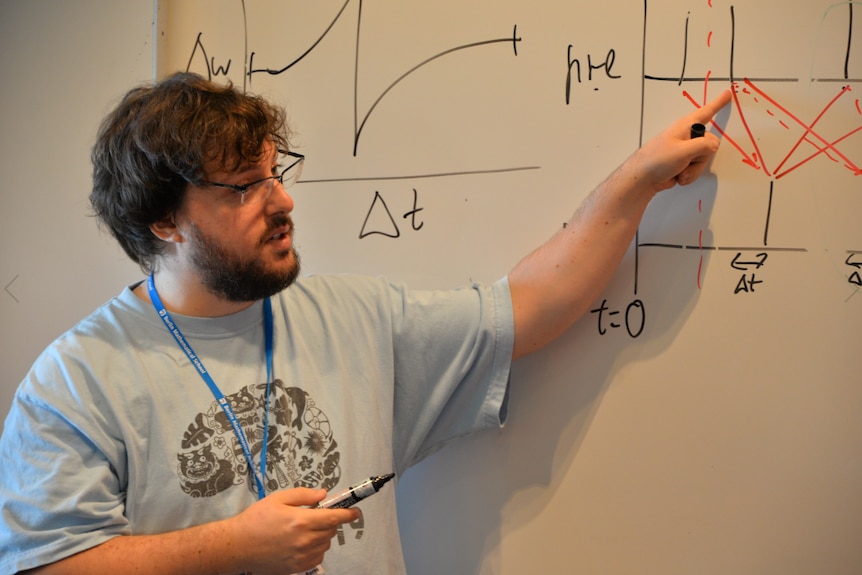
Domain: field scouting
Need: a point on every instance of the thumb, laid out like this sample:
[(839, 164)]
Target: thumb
[(701, 151)]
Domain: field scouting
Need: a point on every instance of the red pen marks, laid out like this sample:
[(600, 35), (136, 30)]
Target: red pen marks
[(706, 80), (749, 99), (746, 157), (706, 86), (810, 136), (700, 248)]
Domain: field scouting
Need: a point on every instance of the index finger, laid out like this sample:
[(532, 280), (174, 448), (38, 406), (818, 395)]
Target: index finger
[(705, 113)]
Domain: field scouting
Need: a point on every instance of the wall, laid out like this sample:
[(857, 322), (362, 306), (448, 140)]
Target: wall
[(705, 417), (63, 65)]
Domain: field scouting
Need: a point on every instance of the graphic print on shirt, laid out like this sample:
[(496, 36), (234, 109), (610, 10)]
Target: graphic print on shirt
[(301, 450)]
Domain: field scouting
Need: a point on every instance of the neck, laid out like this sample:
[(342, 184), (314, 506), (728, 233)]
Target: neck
[(185, 295)]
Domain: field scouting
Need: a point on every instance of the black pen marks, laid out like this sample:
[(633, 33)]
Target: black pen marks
[(380, 221), (360, 125), (378, 206), (286, 67)]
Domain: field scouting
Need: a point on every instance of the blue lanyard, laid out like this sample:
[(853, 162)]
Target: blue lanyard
[(222, 401)]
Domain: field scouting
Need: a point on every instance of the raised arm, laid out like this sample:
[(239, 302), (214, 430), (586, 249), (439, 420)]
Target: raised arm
[(555, 285), (274, 536)]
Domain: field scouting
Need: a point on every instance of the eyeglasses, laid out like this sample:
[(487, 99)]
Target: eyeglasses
[(260, 189)]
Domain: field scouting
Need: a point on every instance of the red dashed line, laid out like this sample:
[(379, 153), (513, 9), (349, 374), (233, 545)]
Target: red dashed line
[(700, 262)]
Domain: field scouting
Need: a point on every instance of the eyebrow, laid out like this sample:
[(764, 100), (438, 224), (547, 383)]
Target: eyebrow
[(247, 166)]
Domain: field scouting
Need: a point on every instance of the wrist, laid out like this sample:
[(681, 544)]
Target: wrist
[(223, 548)]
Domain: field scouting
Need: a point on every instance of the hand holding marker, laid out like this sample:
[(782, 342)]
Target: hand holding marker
[(348, 498), (353, 495)]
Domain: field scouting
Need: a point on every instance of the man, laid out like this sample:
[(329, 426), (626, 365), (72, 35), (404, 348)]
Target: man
[(192, 423)]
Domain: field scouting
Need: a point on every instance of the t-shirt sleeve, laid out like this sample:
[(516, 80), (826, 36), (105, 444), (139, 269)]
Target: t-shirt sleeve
[(59, 494), (453, 352)]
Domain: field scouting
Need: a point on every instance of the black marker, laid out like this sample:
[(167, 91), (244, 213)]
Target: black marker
[(348, 498), (353, 495), (697, 130)]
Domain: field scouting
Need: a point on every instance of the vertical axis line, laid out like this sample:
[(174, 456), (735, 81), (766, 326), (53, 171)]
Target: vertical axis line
[(849, 42), (641, 138), (732, 44), (768, 214)]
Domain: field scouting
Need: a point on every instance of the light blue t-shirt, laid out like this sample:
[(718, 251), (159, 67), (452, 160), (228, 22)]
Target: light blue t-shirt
[(113, 431)]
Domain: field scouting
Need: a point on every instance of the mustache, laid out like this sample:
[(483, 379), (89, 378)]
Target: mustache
[(278, 221)]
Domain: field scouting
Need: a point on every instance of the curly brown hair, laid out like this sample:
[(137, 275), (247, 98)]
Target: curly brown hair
[(157, 141)]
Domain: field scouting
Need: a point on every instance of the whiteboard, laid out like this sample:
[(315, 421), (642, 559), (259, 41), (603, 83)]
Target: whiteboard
[(704, 417)]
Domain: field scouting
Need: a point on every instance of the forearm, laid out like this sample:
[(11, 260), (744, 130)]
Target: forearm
[(281, 533), (203, 550), (555, 285)]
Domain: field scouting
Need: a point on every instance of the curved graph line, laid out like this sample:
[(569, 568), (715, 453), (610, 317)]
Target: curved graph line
[(275, 72), (514, 39)]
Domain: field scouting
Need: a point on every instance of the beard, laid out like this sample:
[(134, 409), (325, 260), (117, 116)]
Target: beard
[(237, 279)]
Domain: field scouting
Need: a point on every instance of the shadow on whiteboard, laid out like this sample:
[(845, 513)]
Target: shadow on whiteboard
[(458, 506)]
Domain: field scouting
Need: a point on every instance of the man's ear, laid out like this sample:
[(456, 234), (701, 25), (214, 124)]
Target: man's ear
[(167, 230)]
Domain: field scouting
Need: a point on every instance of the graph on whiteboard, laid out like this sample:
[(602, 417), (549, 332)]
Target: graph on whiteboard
[(788, 170), (768, 131)]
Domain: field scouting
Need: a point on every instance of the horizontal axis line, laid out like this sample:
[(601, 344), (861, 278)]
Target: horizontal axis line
[(699, 79), (419, 176), (721, 248)]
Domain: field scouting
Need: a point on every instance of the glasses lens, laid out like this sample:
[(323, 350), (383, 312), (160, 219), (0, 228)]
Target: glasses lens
[(291, 174), (258, 191), (261, 190)]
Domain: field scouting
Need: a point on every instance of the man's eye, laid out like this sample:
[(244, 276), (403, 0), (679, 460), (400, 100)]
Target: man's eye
[(254, 183)]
